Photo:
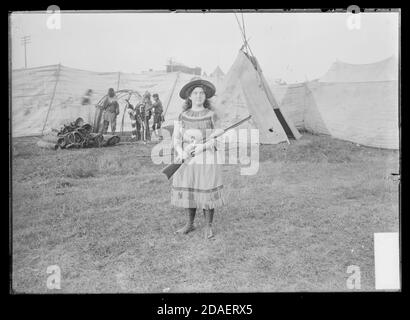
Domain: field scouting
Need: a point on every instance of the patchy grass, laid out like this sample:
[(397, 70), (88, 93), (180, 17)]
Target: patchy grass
[(83, 167), (104, 217)]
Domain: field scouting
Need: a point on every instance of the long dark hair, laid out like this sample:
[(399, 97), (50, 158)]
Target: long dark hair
[(188, 103)]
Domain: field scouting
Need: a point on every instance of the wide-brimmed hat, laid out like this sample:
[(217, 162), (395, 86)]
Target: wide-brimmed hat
[(208, 87)]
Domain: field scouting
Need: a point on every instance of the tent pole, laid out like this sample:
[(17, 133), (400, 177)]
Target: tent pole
[(243, 26), (247, 46), (52, 97), (266, 88), (274, 103), (118, 80), (240, 28), (172, 93)]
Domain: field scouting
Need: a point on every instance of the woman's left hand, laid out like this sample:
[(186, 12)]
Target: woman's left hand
[(198, 149), (216, 133)]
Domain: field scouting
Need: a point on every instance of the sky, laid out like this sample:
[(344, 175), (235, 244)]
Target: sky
[(291, 46)]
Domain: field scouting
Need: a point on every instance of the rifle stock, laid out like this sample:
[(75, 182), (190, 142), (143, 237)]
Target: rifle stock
[(170, 169)]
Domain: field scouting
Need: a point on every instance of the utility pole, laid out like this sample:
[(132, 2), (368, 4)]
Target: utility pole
[(24, 41)]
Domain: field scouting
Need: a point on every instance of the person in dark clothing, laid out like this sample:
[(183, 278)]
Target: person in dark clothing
[(111, 111), (134, 113), (145, 114), (158, 111)]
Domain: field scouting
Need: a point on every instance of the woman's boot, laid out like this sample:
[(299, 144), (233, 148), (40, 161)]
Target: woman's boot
[(190, 223), (209, 216)]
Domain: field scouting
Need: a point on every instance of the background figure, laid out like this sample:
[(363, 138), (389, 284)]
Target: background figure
[(158, 110), (88, 110), (111, 111), (145, 114), (87, 97), (135, 115), (139, 111)]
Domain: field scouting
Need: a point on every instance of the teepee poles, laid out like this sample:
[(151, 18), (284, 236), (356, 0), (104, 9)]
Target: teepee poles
[(295, 133), (243, 26), (245, 42)]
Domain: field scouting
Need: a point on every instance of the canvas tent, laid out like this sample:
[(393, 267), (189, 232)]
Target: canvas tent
[(357, 103), (217, 72), (45, 98), (385, 70), (49, 96), (244, 92)]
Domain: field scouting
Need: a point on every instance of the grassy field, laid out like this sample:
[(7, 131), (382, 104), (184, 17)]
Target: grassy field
[(104, 217)]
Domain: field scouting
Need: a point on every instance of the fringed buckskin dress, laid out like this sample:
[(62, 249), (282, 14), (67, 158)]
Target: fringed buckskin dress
[(198, 183)]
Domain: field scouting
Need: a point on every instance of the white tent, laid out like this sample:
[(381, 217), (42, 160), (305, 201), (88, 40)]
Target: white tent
[(357, 103), (45, 98)]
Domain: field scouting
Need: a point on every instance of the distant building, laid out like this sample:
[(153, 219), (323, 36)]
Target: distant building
[(183, 68), (280, 82), (152, 71)]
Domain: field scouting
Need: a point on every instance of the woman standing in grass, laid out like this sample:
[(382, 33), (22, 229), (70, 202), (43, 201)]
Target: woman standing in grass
[(198, 184)]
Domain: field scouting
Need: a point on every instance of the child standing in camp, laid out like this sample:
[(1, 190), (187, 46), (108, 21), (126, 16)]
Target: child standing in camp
[(198, 184)]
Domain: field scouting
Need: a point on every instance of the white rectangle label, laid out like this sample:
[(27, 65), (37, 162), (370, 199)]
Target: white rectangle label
[(387, 261)]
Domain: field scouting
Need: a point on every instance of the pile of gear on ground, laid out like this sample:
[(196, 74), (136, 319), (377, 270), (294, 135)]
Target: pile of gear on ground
[(77, 134)]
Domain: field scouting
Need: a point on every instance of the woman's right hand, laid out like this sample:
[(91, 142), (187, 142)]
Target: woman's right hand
[(189, 148), (182, 156)]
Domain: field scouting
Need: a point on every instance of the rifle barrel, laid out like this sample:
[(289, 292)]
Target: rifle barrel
[(170, 169)]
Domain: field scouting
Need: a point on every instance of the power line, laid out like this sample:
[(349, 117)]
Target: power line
[(24, 41)]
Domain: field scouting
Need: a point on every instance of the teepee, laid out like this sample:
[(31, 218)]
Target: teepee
[(217, 72), (244, 92)]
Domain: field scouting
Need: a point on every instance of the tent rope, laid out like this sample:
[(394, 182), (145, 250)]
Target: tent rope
[(172, 94), (52, 97)]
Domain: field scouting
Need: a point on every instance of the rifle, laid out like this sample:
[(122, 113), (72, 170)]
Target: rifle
[(170, 169)]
